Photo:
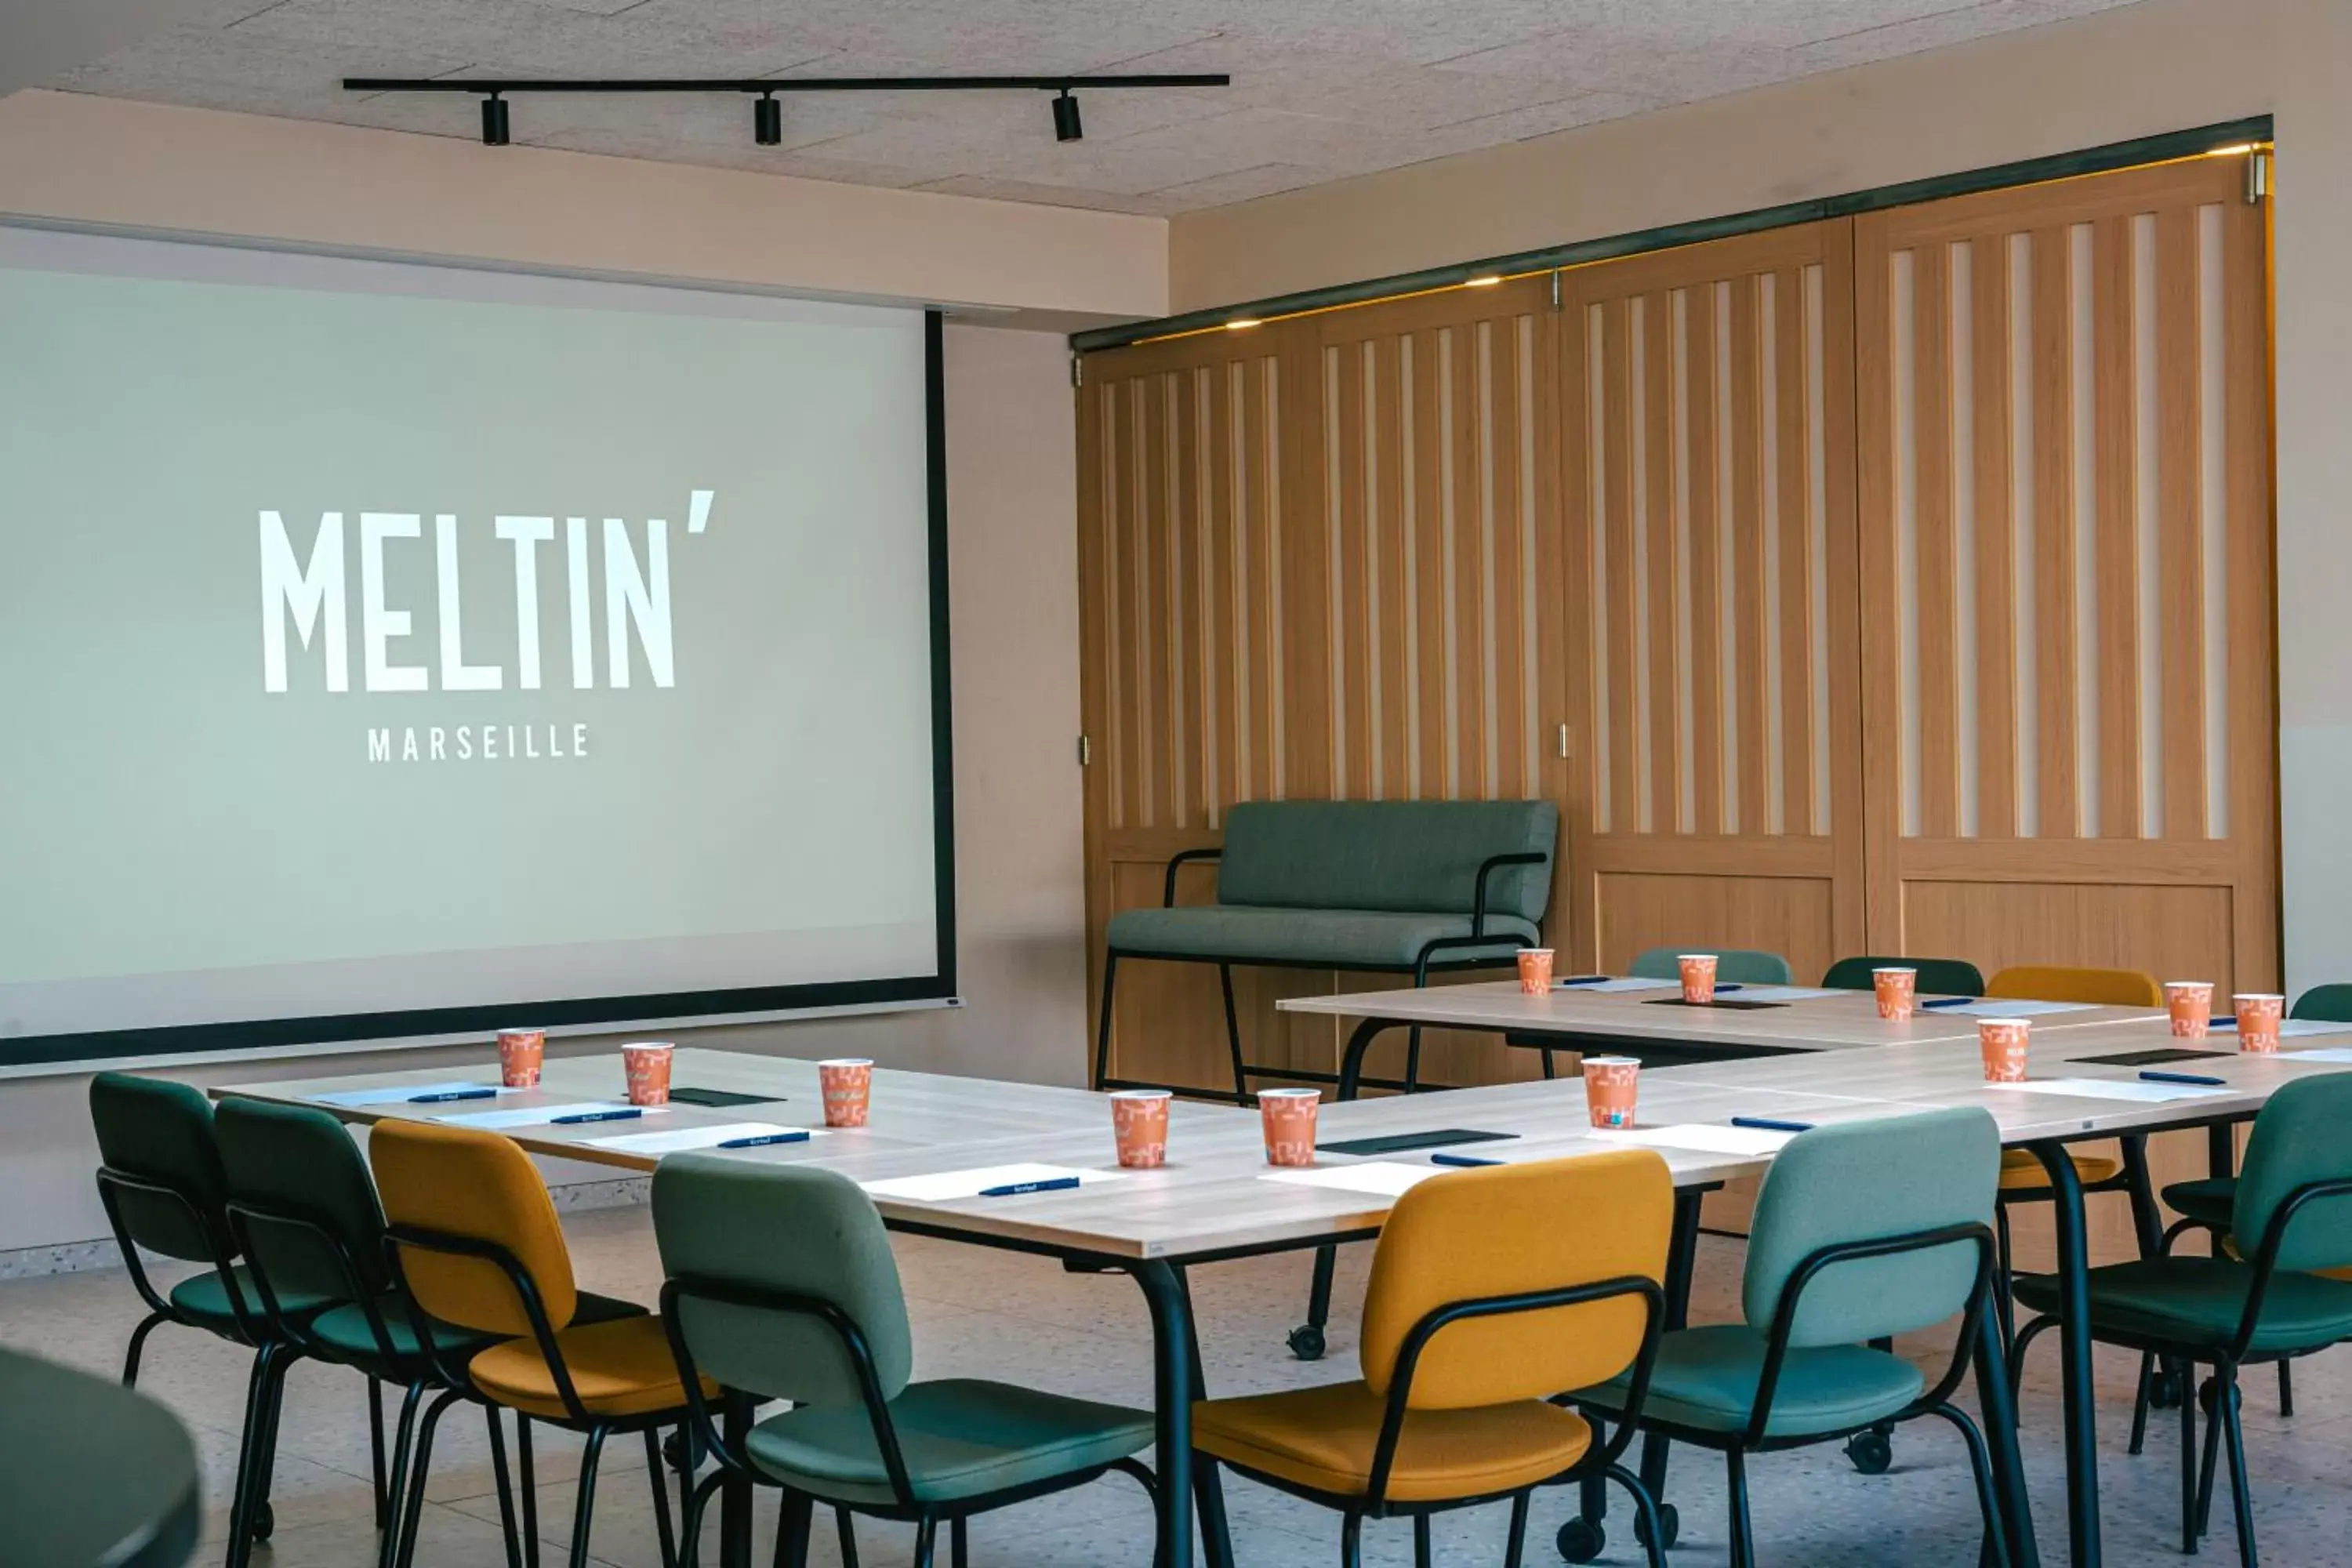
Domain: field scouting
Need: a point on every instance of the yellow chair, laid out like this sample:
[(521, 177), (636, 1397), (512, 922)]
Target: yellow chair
[(1492, 1291), (476, 1243), (2020, 1173)]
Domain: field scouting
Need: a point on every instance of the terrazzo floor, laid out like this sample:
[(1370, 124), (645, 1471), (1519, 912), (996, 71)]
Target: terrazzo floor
[(992, 1314)]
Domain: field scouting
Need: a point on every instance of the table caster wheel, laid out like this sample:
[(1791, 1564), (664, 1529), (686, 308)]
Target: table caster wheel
[(1307, 1342), (1580, 1541), (1872, 1452), (263, 1523), (1670, 1523)]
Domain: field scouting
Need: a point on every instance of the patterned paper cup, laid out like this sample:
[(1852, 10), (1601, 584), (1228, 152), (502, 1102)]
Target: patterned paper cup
[(648, 1065), (849, 1086), (1611, 1089), (1535, 971), (1898, 991), (1698, 978), (1288, 1118), (2004, 1042), (1138, 1120), (2191, 1003), (522, 1053), (2258, 1020)]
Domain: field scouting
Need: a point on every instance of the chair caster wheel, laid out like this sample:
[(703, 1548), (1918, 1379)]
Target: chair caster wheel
[(1307, 1342), (674, 1454), (1873, 1453), (1670, 1523), (263, 1524), (2164, 1391), (1580, 1542)]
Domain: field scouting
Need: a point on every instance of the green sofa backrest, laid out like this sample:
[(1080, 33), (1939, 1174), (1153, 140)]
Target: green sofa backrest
[(1420, 855)]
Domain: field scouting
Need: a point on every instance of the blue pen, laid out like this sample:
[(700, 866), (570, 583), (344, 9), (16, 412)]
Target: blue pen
[(1465, 1161), (1950, 1002), (629, 1114), (1581, 980), (1722, 990), (2182, 1077), (1768, 1124), (762, 1140), (448, 1095), (2229, 1023), (1057, 1185)]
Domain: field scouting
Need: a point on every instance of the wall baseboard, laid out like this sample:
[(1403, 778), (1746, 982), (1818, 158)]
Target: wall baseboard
[(81, 1256)]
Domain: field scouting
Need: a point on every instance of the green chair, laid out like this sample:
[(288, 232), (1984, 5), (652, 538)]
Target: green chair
[(782, 1285), (1863, 1230), (1937, 976), (2292, 1219), (161, 1181), (1733, 965)]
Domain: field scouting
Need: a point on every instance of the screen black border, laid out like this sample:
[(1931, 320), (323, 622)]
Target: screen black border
[(98, 1045)]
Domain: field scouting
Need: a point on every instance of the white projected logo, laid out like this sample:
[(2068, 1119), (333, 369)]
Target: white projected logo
[(311, 594)]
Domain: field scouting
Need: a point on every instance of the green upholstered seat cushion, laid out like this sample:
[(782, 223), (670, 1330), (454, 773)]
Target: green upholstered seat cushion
[(1937, 976), (1706, 1379), (1733, 965), (203, 1301), (345, 1333), (1311, 938), (2206, 1201), (1407, 856), (961, 1437), (2199, 1302)]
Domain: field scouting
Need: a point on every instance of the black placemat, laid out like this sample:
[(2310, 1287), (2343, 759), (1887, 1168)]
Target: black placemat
[(1403, 1142), (2149, 1059), (720, 1098), (1729, 1002)]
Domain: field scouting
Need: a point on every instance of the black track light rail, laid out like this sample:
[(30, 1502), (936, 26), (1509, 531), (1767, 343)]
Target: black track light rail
[(503, 86)]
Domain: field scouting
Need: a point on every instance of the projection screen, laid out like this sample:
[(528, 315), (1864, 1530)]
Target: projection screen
[(396, 651)]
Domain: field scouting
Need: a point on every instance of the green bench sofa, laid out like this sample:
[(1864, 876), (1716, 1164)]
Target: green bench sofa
[(1390, 886)]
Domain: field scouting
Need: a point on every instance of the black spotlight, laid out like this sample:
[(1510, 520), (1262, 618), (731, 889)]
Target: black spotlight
[(494, 121), (768, 122), (1067, 126)]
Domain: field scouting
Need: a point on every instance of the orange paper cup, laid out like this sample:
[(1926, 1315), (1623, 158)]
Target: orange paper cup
[(1611, 1088), (648, 1065), (521, 1052), (1698, 978), (2191, 1003), (1288, 1118), (2258, 1020), (1535, 971), (2004, 1042), (1138, 1120), (849, 1086), (1898, 991)]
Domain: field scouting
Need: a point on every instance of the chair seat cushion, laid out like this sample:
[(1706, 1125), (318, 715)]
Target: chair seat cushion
[(2208, 1201), (1324, 1437), (203, 1301), (1377, 938), (618, 1368), (343, 1331), (1706, 1379), (2198, 1302), (961, 1437), (2021, 1173)]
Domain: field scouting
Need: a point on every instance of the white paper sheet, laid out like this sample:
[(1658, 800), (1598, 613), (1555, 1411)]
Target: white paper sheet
[(681, 1138), (1603, 988), (2138, 1090), (2008, 1009), (400, 1093), (1700, 1137), (2326, 1054), (538, 1115), (941, 1186), (1781, 993), (1383, 1178), (2290, 1029)]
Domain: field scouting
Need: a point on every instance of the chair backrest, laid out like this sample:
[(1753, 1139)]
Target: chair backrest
[(1871, 1181), (1733, 965), (298, 1161), (478, 1185), (1937, 976), (1507, 1230), (158, 1132), (1419, 854), (2057, 983), (2329, 1004), (2298, 1139), (785, 1230)]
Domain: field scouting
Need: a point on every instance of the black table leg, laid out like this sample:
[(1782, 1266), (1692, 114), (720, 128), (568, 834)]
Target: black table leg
[(2074, 1342), (735, 1493), (1174, 1377), (1682, 1259), (1208, 1484), (2001, 1434), (1306, 1340), (1351, 1060)]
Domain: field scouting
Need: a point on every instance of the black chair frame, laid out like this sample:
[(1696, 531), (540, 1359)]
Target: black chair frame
[(1430, 957), (734, 1463), (577, 1417)]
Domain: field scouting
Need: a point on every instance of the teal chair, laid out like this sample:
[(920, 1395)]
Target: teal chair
[(161, 1182), (1937, 976), (2266, 1301), (782, 1285), (1733, 965), (1863, 1231)]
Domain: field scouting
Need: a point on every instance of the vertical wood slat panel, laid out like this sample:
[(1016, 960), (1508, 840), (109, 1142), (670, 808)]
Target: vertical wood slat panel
[(1706, 577), (1468, 738), (1506, 737), (1227, 655), (1257, 459), (2117, 530), (1662, 733), (1617, 451), (2181, 489), (1995, 526), (1933, 458), (1351, 682), (1398, 646), (1792, 403), (1747, 438), (1430, 560), (1186, 706), (2060, 808)]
